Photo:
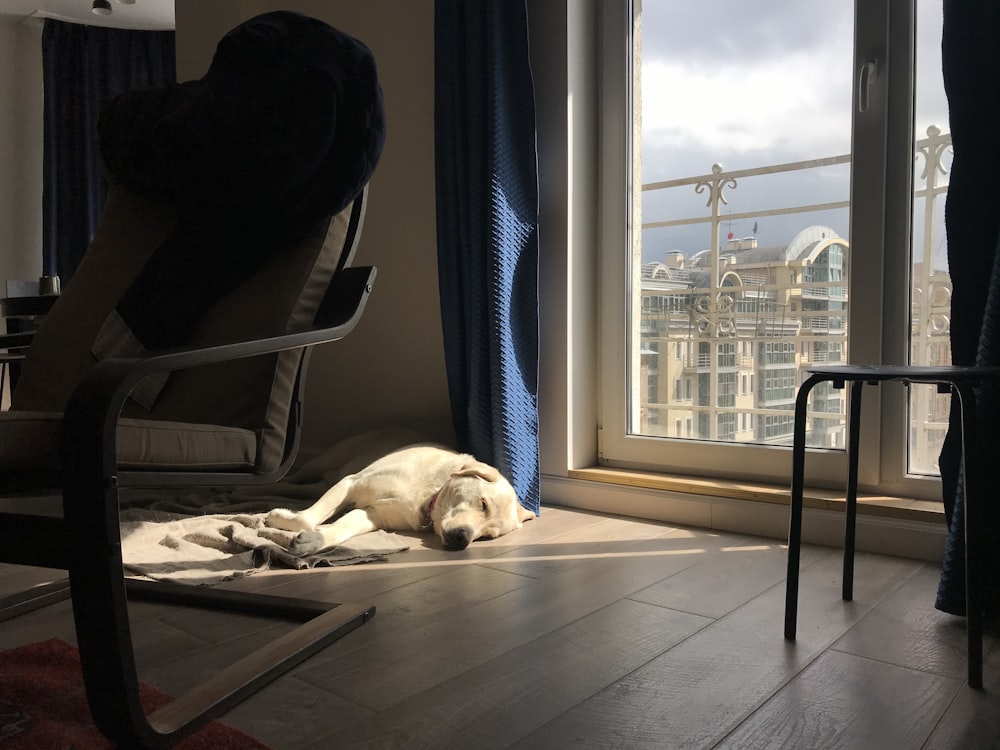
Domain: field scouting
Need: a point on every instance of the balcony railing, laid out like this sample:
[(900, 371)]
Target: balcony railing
[(711, 299)]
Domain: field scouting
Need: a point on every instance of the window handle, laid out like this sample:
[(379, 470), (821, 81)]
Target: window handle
[(865, 77)]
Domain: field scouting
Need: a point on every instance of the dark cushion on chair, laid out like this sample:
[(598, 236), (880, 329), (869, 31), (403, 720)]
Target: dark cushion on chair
[(218, 226), (256, 393), (251, 394), (283, 131)]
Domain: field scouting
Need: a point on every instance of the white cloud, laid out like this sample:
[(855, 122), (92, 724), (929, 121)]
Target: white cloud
[(800, 103)]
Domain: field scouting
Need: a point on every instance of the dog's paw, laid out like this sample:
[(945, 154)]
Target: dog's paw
[(282, 518), (306, 543)]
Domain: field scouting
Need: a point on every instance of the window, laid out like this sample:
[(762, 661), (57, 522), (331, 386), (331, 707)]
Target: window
[(758, 175)]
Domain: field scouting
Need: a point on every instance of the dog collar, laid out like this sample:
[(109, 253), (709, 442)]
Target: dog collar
[(428, 521)]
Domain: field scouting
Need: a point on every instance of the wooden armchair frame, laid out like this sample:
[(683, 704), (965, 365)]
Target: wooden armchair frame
[(86, 541)]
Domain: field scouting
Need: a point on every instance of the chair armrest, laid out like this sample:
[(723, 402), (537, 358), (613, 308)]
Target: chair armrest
[(350, 289), (90, 419), (346, 297)]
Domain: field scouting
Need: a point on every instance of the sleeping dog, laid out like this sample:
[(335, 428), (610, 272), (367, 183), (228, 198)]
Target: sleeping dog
[(415, 487)]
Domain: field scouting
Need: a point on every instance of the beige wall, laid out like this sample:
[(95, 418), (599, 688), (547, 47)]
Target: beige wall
[(20, 150), (563, 59), (390, 371)]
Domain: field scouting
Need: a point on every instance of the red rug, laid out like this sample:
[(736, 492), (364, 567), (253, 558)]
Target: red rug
[(43, 705)]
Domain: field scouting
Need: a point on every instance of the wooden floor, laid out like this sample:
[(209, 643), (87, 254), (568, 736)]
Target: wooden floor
[(587, 630)]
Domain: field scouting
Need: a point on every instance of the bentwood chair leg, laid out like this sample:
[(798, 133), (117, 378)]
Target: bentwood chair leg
[(851, 516), (37, 597), (106, 650), (94, 557), (100, 600)]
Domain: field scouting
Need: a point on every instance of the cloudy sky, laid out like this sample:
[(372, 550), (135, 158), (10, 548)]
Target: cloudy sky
[(749, 84)]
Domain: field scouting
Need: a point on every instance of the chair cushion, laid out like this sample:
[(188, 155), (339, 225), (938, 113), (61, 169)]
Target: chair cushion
[(31, 441), (256, 393), (250, 394)]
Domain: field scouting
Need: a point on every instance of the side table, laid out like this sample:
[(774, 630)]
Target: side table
[(961, 381), (21, 316)]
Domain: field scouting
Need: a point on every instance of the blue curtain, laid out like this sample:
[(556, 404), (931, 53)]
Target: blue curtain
[(82, 67), (487, 224), (971, 66)]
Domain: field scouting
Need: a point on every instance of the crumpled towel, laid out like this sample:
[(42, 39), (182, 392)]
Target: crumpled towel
[(209, 549)]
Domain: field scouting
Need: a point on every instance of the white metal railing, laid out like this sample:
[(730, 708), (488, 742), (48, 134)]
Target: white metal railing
[(750, 304)]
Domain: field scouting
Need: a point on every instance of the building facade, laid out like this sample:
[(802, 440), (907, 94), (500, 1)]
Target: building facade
[(723, 361)]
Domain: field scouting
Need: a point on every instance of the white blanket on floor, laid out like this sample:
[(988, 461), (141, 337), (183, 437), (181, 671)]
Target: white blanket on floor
[(162, 540)]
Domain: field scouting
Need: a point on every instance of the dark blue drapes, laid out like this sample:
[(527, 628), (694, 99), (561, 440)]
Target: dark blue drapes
[(83, 66), (487, 224), (971, 65)]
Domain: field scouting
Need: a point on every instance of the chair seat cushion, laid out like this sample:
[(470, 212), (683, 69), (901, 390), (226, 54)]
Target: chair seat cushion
[(31, 440)]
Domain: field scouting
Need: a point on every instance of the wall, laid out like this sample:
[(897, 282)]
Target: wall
[(564, 60), (20, 150), (390, 370)]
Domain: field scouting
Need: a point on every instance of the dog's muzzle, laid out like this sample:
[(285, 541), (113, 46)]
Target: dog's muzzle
[(458, 538)]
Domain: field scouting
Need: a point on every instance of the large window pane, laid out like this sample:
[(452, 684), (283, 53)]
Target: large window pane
[(931, 284), (783, 209), (740, 271)]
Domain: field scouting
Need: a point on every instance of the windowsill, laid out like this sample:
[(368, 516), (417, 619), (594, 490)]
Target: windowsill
[(871, 505)]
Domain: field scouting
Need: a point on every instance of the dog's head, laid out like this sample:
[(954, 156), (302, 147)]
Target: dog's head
[(476, 503)]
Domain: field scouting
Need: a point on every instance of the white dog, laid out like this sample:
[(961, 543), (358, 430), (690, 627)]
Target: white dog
[(414, 487)]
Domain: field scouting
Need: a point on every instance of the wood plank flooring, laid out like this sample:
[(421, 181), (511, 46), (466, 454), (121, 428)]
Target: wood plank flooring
[(583, 630)]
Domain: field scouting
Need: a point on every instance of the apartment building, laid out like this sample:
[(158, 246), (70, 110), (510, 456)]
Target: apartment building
[(722, 359)]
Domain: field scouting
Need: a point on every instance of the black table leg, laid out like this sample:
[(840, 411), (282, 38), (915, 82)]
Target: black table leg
[(851, 515), (795, 522)]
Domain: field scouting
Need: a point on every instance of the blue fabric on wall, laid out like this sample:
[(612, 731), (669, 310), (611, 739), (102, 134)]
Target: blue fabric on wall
[(487, 224), (971, 66), (82, 67)]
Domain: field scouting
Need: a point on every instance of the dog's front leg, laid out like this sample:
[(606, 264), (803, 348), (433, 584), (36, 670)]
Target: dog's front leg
[(353, 523)]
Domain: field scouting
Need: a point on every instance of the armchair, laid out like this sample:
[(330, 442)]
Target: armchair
[(226, 398)]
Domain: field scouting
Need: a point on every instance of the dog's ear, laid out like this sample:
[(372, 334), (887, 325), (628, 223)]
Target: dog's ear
[(477, 469), (523, 514)]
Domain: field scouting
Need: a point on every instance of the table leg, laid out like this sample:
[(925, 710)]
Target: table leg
[(851, 516), (795, 517)]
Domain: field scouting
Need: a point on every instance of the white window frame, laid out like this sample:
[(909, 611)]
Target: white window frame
[(879, 239)]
